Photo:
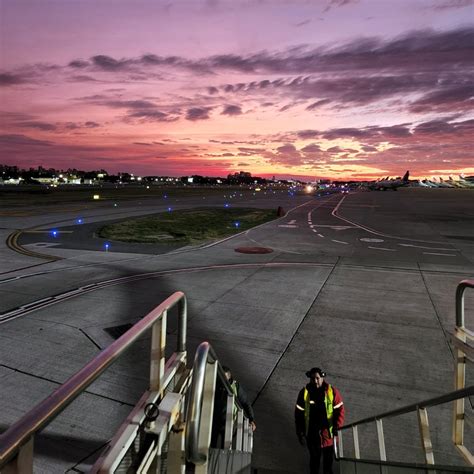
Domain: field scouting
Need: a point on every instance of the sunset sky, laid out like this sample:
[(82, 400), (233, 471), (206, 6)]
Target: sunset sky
[(311, 89)]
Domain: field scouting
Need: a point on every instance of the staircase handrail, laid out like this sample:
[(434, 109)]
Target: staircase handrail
[(463, 354), (21, 432), (461, 288), (448, 397), (205, 355)]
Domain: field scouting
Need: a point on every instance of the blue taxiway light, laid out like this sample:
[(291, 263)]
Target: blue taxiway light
[(107, 246), (169, 209), (226, 204), (237, 224), (54, 233), (79, 221)]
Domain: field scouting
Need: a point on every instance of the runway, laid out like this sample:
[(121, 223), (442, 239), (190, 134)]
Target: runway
[(361, 284)]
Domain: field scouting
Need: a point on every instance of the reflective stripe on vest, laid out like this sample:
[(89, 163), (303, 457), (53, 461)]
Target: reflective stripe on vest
[(328, 403)]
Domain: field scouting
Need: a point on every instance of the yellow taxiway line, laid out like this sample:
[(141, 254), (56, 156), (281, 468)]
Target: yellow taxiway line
[(12, 243)]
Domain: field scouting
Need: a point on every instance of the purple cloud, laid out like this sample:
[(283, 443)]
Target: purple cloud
[(452, 98), (198, 113), (108, 63), (152, 116), (8, 79), (78, 64), (312, 148), (21, 140), (232, 110), (318, 104), (44, 126)]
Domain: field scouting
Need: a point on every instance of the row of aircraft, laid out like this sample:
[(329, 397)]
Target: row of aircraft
[(394, 184)]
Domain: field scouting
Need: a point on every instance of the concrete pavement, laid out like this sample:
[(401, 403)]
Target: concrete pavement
[(363, 287)]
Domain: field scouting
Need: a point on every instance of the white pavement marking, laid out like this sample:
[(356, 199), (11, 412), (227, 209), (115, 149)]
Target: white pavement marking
[(288, 226), (429, 248), (372, 231), (314, 230), (320, 235), (366, 239), (293, 221), (382, 248), (340, 242), (441, 254), (338, 227), (41, 244)]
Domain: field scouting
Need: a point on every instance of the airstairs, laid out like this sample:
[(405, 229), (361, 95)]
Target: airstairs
[(170, 428)]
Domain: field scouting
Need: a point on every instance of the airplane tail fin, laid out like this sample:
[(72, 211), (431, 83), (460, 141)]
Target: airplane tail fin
[(406, 176)]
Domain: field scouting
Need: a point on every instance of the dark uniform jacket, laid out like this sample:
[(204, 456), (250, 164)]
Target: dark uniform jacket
[(318, 421)]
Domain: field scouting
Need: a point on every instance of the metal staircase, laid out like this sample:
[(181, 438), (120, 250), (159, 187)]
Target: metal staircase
[(464, 353), (169, 429)]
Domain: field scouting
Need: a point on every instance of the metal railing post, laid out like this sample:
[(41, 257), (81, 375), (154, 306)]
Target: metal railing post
[(425, 435), (240, 429), (157, 355), (229, 423), (355, 434), (381, 439), (245, 445), (340, 445), (182, 324)]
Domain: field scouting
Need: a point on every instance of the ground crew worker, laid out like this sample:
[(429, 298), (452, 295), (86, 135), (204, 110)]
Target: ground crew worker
[(319, 413), (241, 396), (220, 406)]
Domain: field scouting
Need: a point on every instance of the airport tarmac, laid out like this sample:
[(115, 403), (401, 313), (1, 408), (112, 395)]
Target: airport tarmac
[(360, 284)]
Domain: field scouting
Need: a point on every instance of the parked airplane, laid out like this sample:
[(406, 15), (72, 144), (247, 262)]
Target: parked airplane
[(390, 183), (466, 183), (428, 184), (443, 184)]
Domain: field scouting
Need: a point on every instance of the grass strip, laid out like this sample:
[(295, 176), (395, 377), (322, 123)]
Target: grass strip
[(188, 226)]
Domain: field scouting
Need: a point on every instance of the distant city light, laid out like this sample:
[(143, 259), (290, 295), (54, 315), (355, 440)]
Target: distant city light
[(96, 196), (309, 188)]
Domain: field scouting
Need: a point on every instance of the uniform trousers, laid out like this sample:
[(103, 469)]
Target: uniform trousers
[(316, 452)]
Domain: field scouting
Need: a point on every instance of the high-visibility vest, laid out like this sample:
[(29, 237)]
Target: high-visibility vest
[(235, 391), (328, 403)]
